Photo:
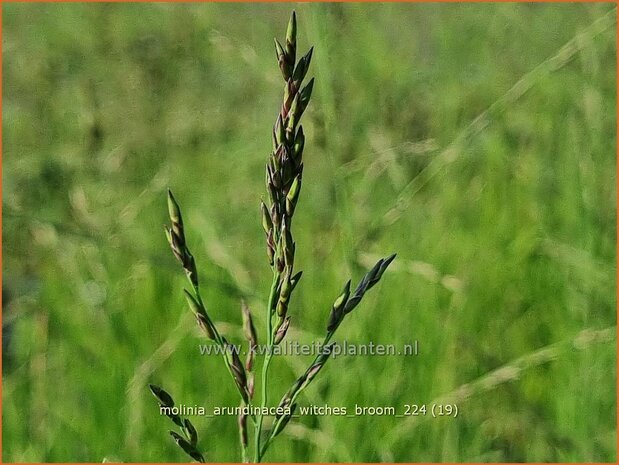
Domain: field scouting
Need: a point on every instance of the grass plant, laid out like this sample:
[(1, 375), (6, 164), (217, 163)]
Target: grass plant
[(284, 173), (478, 141)]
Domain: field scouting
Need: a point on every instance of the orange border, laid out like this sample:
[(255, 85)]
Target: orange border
[(1, 217), (617, 225), (308, 1), (333, 1)]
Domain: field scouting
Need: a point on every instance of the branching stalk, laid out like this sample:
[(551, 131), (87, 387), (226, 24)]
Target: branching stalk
[(284, 173)]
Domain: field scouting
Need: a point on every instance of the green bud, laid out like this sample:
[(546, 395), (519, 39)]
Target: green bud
[(295, 279), (289, 93), (293, 196), (280, 131), (279, 50), (284, 236), (294, 114), (338, 310), (282, 307), (371, 275), (267, 224), (306, 93), (204, 322), (383, 266), (343, 298), (335, 318), (301, 69), (173, 209), (190, 268), (288, 245), (299, 143), (282, 61), (284, 292), (178, 249), (291, 39)]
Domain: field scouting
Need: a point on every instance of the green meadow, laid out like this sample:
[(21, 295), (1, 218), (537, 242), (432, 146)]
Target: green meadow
[(476, 141)]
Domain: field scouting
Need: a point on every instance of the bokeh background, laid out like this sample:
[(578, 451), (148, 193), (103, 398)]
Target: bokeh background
[(477, 141)]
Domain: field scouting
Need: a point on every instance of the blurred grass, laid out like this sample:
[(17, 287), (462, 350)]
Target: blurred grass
[(507, 248)]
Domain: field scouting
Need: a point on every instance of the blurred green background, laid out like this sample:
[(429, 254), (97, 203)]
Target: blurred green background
[(477, 141)]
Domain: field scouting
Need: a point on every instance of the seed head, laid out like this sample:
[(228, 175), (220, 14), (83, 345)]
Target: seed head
[(368, 281), (190, 432), (165, 399), (202, 317), (238, 372), (250, 334), (312, 371), (248, 325), (281, 424), (281, 331), (337, 312), (176, 239), (187, 447)]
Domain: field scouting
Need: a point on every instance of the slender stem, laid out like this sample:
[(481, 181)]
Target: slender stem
[(245, 457), (325, 341), (267, 362)]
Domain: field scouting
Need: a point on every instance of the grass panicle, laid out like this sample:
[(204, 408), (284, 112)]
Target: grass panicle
[(284, 179), (188, 441)]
